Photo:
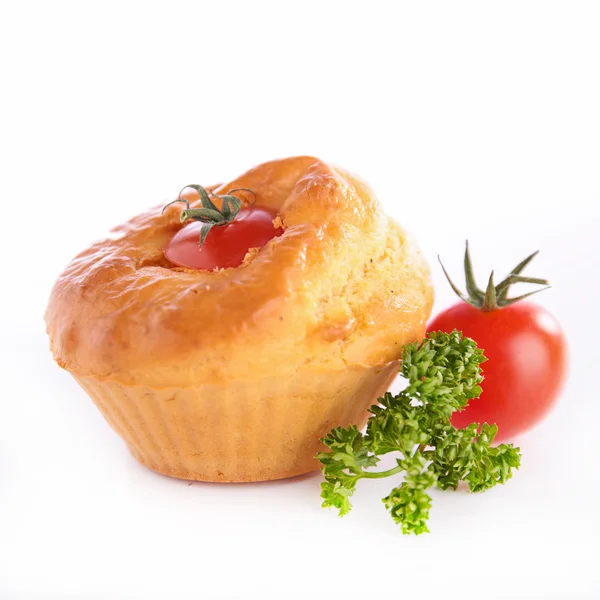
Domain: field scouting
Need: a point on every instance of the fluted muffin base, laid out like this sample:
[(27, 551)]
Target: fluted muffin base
[(243, 431)]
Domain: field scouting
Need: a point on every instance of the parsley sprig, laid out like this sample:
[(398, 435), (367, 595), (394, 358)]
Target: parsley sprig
[(443, 374)]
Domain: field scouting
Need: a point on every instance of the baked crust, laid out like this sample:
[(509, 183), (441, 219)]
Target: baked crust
[(344, 286)]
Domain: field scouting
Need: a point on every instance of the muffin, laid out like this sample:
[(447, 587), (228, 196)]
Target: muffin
[(234, 374)]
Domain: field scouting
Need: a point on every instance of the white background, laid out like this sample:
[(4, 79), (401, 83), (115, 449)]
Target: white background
[(477, 120)]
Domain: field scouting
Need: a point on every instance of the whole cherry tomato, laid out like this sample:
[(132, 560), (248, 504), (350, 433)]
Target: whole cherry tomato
[(525, 347)]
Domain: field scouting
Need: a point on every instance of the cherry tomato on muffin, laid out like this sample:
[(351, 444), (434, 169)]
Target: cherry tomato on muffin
[(224, 246), (220, 238), (525, 347)]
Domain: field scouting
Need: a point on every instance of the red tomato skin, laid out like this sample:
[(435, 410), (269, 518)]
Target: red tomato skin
[(226, 245), (526, 367)]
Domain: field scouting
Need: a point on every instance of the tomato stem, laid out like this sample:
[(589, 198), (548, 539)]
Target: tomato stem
[(209, 214), (495, 296)]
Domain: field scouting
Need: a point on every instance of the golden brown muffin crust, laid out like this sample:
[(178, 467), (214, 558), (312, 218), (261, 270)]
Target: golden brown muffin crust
[(342, 286)]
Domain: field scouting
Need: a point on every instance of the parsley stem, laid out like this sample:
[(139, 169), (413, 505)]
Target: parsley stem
[(389, 472), (378, 474)]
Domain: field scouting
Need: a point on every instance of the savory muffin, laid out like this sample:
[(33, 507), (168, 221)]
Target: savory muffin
[(235, 373)]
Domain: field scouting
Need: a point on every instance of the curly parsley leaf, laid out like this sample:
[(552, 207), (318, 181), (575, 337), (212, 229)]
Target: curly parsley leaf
[(409, 503), (343, 466), (443, 374)]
